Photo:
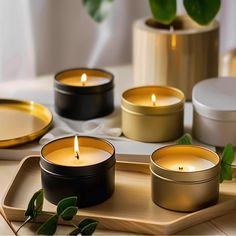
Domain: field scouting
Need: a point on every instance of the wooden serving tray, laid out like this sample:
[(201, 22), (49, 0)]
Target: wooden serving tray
[(129, 209)]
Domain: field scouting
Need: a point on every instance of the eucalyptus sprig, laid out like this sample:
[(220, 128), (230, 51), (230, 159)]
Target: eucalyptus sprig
[(66, 210), (226, 158)]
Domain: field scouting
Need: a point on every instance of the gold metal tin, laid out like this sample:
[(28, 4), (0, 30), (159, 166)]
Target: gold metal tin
[(178, 57), (152, 124), (185, 191), (22, 122)]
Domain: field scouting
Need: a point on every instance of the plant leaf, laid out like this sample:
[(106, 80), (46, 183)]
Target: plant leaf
[(86, 222), (227, 157), (35, 204), (226, 172), (49, 227), (202, 11), (66, 202), (163, 11), (89, 228), (75, 232), (69, 213), (98, 9), (186, 139)]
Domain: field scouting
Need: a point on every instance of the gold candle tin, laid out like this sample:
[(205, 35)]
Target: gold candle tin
[(193, 185), (145, 122)]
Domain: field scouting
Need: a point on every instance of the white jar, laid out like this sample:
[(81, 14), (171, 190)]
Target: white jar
[(214, 103)]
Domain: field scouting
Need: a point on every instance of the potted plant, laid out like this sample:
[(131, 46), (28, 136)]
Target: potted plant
[(169, 49)]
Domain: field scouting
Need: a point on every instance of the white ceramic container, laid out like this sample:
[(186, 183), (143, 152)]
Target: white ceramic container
[(214, 119)]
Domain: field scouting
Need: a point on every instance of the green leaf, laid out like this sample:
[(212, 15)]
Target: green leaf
[(226, 172), (227, 157), (86, 222), (75, 232), (89, 228), (186, 139), (202, 11), (69, 213), (35, 204), (98, 9), (66, 202), (49, 227), (163, 11)]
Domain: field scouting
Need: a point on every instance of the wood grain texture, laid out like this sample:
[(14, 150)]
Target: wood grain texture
[(130, 209), (179, 58)]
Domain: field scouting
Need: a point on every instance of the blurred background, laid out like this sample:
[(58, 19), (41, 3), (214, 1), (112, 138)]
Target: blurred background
[(45, 36)]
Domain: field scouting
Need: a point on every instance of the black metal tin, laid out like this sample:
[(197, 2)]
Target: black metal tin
[(83, 103), (92, 184)]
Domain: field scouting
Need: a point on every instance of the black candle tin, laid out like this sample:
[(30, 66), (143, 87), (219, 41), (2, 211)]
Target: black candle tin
[(92, 184), (83, 102)]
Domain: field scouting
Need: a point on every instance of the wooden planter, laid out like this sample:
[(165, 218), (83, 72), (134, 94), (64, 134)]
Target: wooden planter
[(178, 56)]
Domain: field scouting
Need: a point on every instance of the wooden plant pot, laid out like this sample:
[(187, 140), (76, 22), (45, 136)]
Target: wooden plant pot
[(177, 56)]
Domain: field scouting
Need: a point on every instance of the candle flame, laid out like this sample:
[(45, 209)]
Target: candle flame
[(154, 99), (83, 79), (76, 147)]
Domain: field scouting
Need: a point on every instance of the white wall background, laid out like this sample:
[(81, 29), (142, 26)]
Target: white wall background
[(45, 36)]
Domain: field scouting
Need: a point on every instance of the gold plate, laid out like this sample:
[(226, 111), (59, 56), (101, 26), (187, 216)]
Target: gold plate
[(22, 121)]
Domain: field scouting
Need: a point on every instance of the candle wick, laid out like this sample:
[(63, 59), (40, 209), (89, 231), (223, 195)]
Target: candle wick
[(181, 167), (77, 155), (154, 103)]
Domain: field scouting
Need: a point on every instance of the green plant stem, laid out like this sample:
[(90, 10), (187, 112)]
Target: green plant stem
[(24, 223), (74, 225)]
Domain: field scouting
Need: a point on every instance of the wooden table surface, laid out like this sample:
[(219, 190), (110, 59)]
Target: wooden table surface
[(224, 225)]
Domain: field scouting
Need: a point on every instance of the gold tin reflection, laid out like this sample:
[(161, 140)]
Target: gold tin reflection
[(149, 122), (182, 190)]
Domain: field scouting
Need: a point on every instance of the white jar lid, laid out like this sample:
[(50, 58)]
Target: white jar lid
[(216, 98)]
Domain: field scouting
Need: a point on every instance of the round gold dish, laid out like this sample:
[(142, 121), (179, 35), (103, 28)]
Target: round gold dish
[(22, 121)]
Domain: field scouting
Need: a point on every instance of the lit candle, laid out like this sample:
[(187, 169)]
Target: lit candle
[(84, 80), (152, 113), (154, 99), (90, 91), (143, 99), (78, 155), (78, 166)]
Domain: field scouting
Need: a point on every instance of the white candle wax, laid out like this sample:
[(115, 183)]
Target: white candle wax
[(91, 81), (87, 156), (146, 99), (184, 163)]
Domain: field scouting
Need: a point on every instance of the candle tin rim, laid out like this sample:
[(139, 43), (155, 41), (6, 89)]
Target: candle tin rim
[(75, 171), (151, 110), (201, 30), (184, 176), (202, 108), (60, 86)]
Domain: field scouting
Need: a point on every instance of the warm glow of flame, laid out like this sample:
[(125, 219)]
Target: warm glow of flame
[(173, 41), (154, 99), (173, 38), (83, 79), (76, 147)]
